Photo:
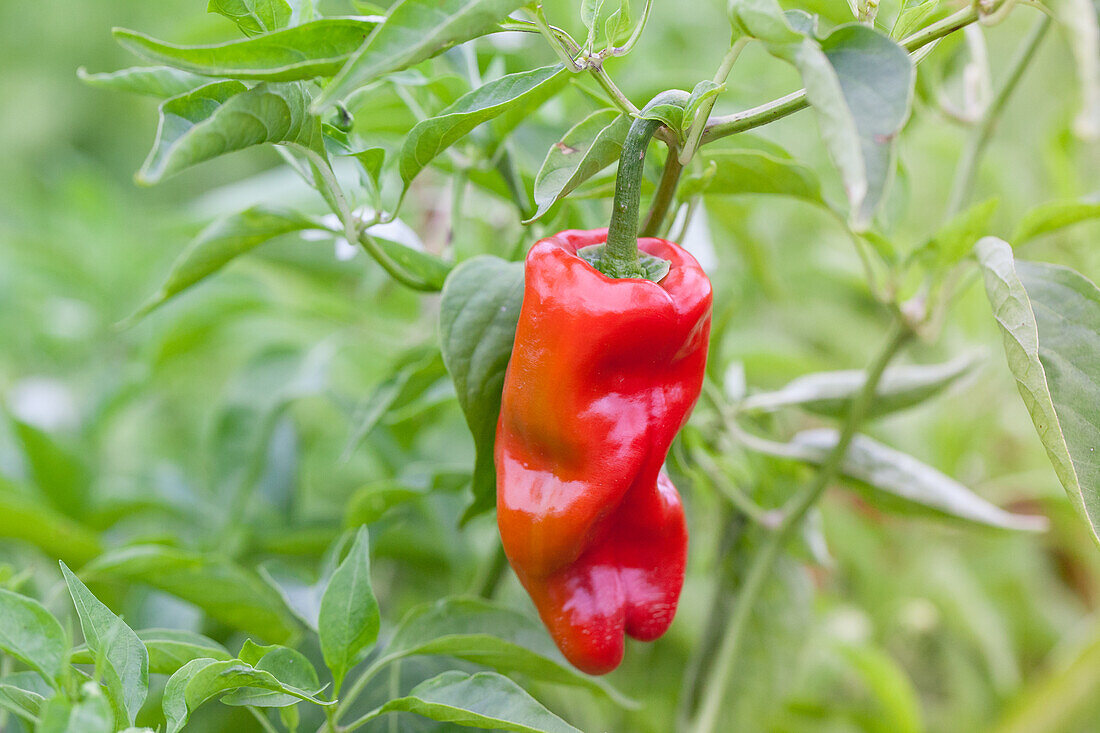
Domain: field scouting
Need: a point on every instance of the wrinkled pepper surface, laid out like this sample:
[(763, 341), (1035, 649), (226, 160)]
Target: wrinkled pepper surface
[(603, 374)]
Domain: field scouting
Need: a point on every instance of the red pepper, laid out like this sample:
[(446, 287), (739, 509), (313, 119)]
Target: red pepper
[(603, 374)]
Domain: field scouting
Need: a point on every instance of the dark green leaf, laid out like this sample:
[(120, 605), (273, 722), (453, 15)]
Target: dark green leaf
[(222, 242), (169, 649), (416, 30), (31, 634), (288, 666), (157, 81), (477, 324), (120, 657), (484, 700), (319, 48), (57, 472), (520, 92), (590, 146), (25, 519), (223, 117), (752, 171), (494, 636), (218, 586), (349, 619), (201, 679)]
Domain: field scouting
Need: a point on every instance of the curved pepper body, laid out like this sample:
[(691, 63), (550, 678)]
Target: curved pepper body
[(603, 374)]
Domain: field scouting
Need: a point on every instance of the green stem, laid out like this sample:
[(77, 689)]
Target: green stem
[(972, 154), (726, 125), (620, 258), (360, 684), (666, 191), (715, 690), (262, 719)]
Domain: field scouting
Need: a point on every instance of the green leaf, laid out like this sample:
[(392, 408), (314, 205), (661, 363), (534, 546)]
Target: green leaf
[(619, 26), (732, 172), (590, 146), (222, 242), (912, 16), (762, 19), (157, 81), (349, 621), (287, 665), (221, 588), (1050, 318), (494, 636), (253, 16), (223, 117), (57, 472), (483, 700), (702, 92), (169, 649), (91, 714), (957, 238), (896, 481), (478, 314), (522, 92), (876, 77), (24, 703), (201, 679), (319, 48), (669, 114), (30, 634), (653, 268), (120, 657), (831, 393), (1053, 216), (415, 30), (590, 12), (23, 518)]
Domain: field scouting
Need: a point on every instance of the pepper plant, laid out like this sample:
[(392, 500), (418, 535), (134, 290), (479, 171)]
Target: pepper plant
[(544, 397)]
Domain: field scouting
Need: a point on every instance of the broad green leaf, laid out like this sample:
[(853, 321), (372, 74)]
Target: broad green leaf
[(897, 481), (1052, 217), (619, 25), (831, 393), (371, 502), (477, 325), (201, 679), (120, 657), (221, 588), (253, 17), (57, 472), (223, 117), (29, 633), (318, 48), (494, 636), (590, 146), (416, 371), (876, 78), (484, 700), (222, 242), (1050, 318), (670, 114), (590, 12), (957, 237), (287, 665), (169, 649), (430, 269), (702, 92), (349, 620), (25, 519), (413, 31), (24, 703), (523, 92), (731, 172), (156, 81), (762, 19)]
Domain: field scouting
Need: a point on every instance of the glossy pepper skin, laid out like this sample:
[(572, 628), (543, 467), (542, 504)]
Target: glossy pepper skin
[(603, 374)]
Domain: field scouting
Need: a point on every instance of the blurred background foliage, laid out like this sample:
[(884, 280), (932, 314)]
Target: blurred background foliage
[(298, 393)]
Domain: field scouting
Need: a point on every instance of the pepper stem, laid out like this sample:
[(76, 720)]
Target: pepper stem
[(620, 256)]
